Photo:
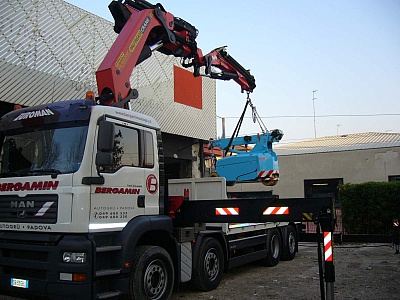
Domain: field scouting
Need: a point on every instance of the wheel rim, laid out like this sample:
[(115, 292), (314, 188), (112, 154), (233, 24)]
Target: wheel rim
[(155, 279), (292, 242), (275, 246), (211, 264)]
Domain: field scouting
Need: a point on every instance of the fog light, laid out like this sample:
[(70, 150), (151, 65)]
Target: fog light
[(74, 257), (66, 276)]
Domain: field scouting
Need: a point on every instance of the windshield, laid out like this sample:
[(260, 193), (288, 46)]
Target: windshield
[(57, 150)]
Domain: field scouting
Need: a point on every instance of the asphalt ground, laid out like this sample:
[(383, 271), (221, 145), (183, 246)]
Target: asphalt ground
[(362, 271)]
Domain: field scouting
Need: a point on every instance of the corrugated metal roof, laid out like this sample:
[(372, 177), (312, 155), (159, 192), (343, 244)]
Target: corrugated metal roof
[(49, 50), (348, 142)]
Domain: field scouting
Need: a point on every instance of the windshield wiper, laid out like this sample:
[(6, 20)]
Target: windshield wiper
[(52, 172), (22, 172), (9, 174)]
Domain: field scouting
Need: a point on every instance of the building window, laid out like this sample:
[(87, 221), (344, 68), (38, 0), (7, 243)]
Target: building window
[(394, 178)]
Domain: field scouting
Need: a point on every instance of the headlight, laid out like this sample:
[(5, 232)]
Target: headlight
[(74, 257)]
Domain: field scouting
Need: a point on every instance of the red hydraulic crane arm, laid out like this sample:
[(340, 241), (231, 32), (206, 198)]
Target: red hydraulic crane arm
[(144, 28), (228, 67)]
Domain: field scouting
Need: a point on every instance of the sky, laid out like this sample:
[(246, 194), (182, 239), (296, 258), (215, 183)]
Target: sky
[(346, 50)]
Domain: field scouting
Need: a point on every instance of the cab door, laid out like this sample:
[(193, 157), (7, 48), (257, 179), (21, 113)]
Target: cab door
[(151, 171), (122, 196)]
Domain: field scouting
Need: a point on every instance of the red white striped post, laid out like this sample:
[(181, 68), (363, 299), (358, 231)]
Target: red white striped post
[(328, 246), (326, 223), (329, 265)]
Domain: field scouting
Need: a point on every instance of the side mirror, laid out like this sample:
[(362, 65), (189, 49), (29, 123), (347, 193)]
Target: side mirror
[(105, 139), (105, 144)]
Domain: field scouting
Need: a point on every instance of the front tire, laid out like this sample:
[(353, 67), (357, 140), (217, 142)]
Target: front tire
[(210, 265), (152, 275)]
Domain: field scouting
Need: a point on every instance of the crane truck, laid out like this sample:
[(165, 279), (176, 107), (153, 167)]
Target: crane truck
[(86, 212)]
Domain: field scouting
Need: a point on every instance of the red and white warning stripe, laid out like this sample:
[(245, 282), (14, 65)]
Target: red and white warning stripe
[(276, 210), (268, 174), (227, 211), (328, 246)]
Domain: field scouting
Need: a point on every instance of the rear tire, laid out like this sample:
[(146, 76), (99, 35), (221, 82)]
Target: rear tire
[(289, 250), (152, 274), (210, 265), (274, 247)]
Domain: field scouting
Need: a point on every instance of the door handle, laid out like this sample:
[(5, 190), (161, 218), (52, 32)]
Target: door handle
[(141, 200)]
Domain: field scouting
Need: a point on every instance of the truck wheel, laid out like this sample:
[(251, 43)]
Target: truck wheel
[(210, 265), (289, 250), (274, 247), (152, 275)]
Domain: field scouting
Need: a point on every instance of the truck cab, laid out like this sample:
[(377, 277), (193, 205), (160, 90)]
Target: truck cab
[(73, 174), (55, 148)]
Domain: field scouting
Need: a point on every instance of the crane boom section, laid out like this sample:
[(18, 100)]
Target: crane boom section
[(114, 72), (144, 28)]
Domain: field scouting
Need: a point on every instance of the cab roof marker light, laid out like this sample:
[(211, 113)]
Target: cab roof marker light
[(90, 95)]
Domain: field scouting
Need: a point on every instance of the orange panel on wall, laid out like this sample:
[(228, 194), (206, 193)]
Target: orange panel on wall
[(187, 88)]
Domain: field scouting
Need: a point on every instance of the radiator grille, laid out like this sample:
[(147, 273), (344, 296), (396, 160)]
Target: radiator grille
[(29, 209)]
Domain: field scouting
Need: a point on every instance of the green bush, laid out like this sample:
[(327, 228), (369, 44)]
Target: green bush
[(369, 208)]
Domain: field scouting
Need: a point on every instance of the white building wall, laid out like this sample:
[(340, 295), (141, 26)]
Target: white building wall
[(356, 166)]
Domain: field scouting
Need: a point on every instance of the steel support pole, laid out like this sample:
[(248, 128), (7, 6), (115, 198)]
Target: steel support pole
[(326, 220), (320, 265)]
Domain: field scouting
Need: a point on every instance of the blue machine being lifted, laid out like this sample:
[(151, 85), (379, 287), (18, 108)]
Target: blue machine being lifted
[(260, 163), (255, 163)]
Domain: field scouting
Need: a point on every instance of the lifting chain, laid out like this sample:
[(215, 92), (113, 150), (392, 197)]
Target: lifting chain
[(255, 116)]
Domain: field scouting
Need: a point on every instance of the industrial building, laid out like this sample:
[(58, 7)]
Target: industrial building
[(316, 167)]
